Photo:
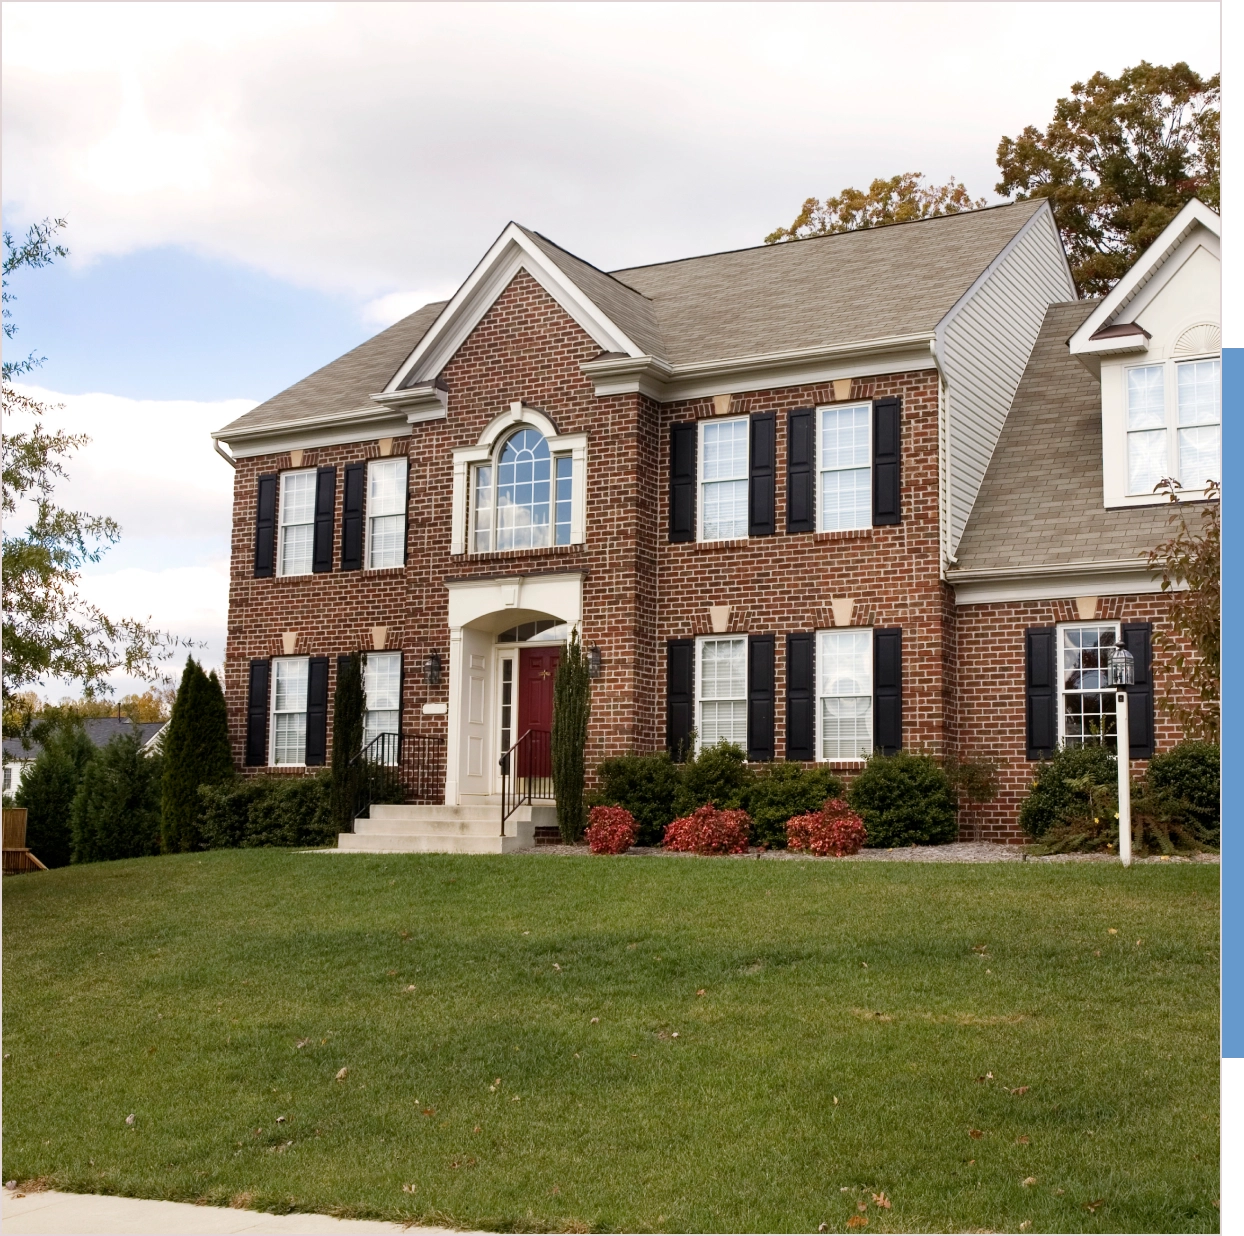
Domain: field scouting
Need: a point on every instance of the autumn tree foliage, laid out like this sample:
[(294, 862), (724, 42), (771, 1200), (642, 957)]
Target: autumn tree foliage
[(899, 199), (1120, 158)]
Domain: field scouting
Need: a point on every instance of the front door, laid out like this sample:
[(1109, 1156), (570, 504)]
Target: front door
[(536, 670)]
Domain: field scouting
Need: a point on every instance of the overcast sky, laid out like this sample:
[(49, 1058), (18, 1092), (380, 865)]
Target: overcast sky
[(252, 189)]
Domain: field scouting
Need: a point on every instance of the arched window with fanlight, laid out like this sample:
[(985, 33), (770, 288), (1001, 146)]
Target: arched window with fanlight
[(521, 498)]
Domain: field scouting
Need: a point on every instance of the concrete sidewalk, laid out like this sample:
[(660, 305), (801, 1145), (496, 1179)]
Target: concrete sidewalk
[(83, 1214)]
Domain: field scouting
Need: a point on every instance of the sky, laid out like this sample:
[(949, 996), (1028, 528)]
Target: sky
[(253, 189)]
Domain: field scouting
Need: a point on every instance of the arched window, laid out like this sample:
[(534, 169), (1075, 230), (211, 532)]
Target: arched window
[(522, 500)]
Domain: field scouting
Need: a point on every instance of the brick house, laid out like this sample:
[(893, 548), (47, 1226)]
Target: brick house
[(761, 483)]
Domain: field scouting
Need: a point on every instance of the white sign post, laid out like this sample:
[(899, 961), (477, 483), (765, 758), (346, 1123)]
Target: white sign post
[(1125, 778)]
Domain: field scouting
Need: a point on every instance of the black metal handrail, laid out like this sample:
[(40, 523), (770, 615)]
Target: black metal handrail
[(374, 772), (526, 773)]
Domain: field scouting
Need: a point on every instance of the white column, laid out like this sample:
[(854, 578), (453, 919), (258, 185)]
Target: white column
[(453, 721), (1123, 743)]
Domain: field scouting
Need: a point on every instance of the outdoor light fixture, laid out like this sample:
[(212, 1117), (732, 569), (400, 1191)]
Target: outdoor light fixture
[(432, 669), (1121, 674), (593, 662)]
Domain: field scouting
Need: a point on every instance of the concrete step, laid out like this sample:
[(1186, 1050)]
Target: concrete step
[(423, 828), (387, 843), (430, 826), (416, 812)]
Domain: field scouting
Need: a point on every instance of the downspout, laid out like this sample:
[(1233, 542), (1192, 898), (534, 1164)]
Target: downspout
[(224, 454)]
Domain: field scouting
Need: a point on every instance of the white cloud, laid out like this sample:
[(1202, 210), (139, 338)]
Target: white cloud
[(368, 148), (385, 310)]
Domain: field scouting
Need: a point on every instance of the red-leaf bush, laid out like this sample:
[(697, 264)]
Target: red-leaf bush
[(610, 830), (709, 830), (835, 829)]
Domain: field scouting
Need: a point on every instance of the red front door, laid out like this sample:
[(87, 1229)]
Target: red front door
[(536, 669)]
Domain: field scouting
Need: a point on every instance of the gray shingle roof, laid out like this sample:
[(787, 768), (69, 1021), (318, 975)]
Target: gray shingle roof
[(100, 730), (1041, 501), (852, 287)]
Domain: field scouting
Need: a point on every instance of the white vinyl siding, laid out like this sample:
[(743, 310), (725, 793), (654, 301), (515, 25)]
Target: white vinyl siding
[(844, 467), (382, 687), (844, 673), (289, 710), (386, 513), (1086, 703), (721, 690), (297, 523), (723, 463)]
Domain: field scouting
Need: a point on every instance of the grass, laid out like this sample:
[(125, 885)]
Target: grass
[(777, 1042)]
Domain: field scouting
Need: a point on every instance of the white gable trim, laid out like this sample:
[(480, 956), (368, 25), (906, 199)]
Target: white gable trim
[(513, 251), (1147, 266)]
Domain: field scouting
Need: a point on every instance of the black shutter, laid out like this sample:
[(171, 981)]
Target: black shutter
[(257, 714), (801, 473), (265, 528), (679, 696), (325, 508), (887, 437), (760, 650), (406, 516), (317, 711), (888, 690), (1041, 691), (801, 696), (352, 517), (762, 475), (1138, 640), (682, 481)]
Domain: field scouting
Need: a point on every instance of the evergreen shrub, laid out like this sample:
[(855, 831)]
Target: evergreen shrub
[(269, 811), (572, 705), (1060, 786), (717, 775), (784, 790), (349, 701), (116, 811), (905, 799), (1191, 774), (646, 786), (47, 792), (196, 752)]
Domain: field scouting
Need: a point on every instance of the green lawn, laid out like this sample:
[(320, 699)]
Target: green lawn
[(777, 1041)]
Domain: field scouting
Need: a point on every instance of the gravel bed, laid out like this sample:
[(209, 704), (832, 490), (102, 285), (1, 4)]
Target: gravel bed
[(956, 852)]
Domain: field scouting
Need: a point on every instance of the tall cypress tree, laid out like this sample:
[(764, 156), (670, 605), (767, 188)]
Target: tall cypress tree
[(572, 705), (116, 811), (47, 792), (348, 704), (196, 752)]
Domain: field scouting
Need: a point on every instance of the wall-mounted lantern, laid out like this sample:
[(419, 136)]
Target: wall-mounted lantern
[(593, 662), (432, 669)]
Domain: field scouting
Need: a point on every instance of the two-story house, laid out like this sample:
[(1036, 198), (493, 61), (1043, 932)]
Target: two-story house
[(748, 478)]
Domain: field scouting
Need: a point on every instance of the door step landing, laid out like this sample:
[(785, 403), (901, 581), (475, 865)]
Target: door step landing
[(440, 829)]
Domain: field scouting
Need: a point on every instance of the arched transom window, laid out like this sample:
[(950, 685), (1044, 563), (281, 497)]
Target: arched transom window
[(521, 499)]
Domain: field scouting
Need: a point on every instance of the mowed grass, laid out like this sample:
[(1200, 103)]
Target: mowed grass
[(972, 1042)]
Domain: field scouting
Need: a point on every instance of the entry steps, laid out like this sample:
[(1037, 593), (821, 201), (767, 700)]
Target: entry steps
[(406, 828)]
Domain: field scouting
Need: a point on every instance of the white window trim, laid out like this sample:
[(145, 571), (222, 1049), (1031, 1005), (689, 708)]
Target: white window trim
[(816, 700), (485, 451), (280, 525), (700, 482), (367, 514), (272, 715), (1058, 657), (698, 676), (817, 504)]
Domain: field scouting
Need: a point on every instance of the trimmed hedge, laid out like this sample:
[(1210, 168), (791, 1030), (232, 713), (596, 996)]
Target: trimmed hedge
[(1191, 773), (645, 785), (905, 799), (784, 791), (718, 775), (1053, 797), (268, 811)]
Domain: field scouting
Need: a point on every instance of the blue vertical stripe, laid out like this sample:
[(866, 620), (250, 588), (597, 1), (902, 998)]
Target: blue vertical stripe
[(1232, 708)]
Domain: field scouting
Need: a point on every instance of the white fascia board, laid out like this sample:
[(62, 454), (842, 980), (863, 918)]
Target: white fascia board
[(330, 429), (1144, 269), (511, 252), (419, 403), (1051, 583), (667, 383)]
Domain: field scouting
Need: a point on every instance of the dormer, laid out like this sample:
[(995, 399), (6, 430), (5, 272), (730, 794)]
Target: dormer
[(1155, 345)]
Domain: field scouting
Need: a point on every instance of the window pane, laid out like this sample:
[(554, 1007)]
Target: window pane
[(382, 680), (291, 684), (565, 482), (524, 492), (297, 497), (845, 661), (290, 738), (1200, 392), (723, 721), (845, 676), (483, 509), (725, 510), (1146, 406), (844, 437), (846, 728), (1088, 701), (723, 669), (1199, 458), (384, 541), (386, 487), (296, 545), (725, 451), (1146, 460), (846, 500), (289, 710)]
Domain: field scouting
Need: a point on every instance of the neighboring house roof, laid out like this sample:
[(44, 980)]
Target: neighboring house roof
[(850, 288), (1041, 503), (100, 730)]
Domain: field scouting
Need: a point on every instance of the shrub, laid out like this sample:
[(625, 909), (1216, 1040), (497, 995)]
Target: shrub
[(786, 790), (572, 705), (1190, 773), (835, 829), (709, 830), (47, 792), (196, 752), (717, 775), (904, 799), (269, 811), (1059, 788), (116, 811), (348, 704), (646, 786), (611, 830)]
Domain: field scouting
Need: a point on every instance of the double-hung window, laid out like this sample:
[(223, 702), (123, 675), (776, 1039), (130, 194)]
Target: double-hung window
[(289, 709), (1087, 702), (844, 467), (723, 479), (1174, 416), (844, 662), (382, 686), (386, 513), (721, 683), (297, 522)]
